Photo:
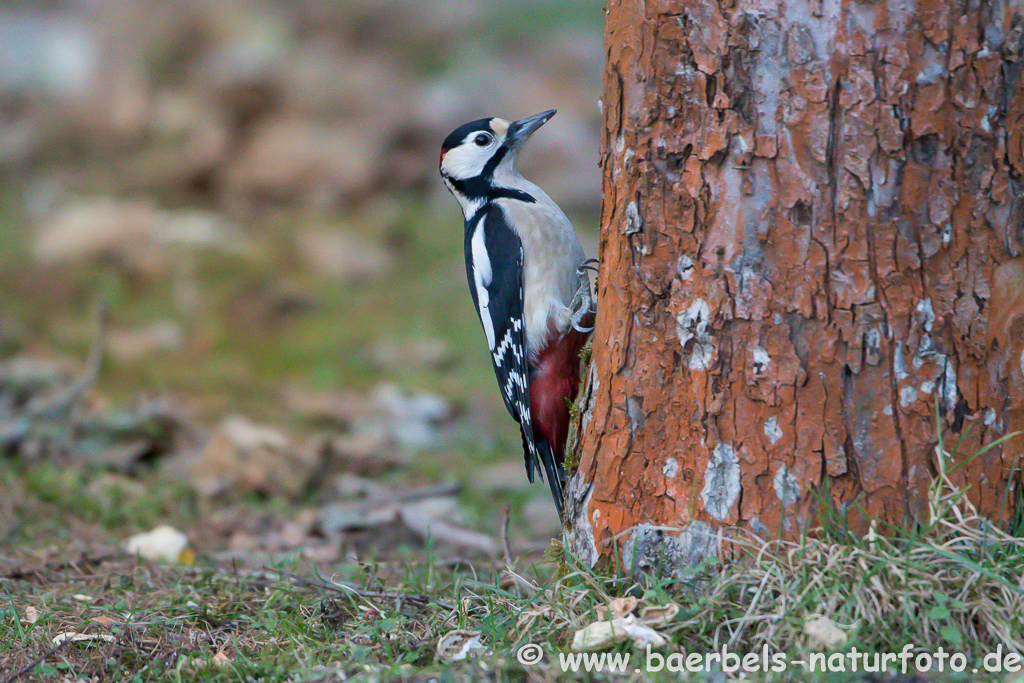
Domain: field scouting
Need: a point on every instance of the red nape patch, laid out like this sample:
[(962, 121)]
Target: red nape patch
[(441, 160)]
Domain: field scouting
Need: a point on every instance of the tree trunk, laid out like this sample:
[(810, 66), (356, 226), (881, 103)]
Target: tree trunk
[(812, 239)]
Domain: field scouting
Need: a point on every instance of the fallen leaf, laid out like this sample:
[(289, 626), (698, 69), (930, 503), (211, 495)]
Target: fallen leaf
[(219, 659), (75, 637), (618, 607), (82, 598), (31, 615), (164, 543), (824, 632), (455, 646), (603, 633), (659, 615), (104, 620), (247, 456)]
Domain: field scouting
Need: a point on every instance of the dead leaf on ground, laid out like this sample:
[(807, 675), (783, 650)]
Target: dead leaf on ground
[(31, 615), (219, 659), (824, 632), (164, 544), (618, 607), (76, 637), (412, 418), (601, 634), (658, 615), (340, 407), (457, 645), (245, 456)]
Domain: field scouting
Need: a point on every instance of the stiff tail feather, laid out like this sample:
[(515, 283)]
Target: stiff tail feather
[(551, 464)]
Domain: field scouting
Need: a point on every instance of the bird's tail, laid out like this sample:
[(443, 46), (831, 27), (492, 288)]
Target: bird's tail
[(550, 461)]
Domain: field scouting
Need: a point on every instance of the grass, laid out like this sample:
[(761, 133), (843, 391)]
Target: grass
[(956, 582)]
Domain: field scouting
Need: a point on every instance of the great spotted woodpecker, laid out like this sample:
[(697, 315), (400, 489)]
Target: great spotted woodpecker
[(528, 278)]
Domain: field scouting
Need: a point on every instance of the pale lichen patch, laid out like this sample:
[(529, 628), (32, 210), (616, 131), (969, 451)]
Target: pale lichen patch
[(634, 223), (761, 360), (787, 488), (651, 549), (924, 307), (692, 331), (580, 535), (899, 367), (670, 468), (685, 267), (721, 481), (872, 346), (772, 430), (949, 388)]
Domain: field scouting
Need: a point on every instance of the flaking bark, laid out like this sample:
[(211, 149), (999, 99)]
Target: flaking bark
[(812, 234)]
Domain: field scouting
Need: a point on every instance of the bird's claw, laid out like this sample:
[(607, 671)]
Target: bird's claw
[(584, 330), (583, 304)]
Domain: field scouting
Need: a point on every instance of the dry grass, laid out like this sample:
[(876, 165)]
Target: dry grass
[(956, 583)]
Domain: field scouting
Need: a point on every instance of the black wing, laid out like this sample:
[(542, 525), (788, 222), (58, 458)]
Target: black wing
[(502, 318)]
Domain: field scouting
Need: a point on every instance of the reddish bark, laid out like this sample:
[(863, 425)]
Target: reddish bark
[(813, 231)]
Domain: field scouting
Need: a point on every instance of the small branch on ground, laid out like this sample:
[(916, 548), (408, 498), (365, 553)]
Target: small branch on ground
[(37, 661), (504, 538), (62, 399), (346, 588)]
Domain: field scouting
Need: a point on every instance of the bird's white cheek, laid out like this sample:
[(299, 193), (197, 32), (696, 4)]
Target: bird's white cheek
[(462, 162)]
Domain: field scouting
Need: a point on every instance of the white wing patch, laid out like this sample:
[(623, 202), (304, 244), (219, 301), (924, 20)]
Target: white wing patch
[(482, 275)]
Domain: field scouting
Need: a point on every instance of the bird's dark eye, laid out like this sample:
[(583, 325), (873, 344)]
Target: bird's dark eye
[(482, 140)]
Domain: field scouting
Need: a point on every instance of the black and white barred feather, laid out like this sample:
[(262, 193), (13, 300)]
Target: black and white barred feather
[(494, 267)]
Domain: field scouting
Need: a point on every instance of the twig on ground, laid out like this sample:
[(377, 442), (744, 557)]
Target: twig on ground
[(37, 661), (504, 538), (450, 534), (437, 491), (347, 588), (62, 399)]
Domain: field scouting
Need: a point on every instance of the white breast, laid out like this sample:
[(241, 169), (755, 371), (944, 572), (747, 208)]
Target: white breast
[(482, 274), (551, 253)]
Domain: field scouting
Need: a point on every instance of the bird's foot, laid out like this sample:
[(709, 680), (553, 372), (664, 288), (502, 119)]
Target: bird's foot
[(583, 306)]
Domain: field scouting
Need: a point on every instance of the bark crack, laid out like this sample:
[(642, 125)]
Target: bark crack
[(831, 162)]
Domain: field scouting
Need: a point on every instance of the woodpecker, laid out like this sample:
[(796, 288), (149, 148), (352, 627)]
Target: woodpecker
[(528, 278)]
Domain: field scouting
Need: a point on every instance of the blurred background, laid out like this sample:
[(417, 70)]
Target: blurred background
[(249, 191)]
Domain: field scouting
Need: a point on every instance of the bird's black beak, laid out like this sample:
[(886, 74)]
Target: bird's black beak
[(519, 131)]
